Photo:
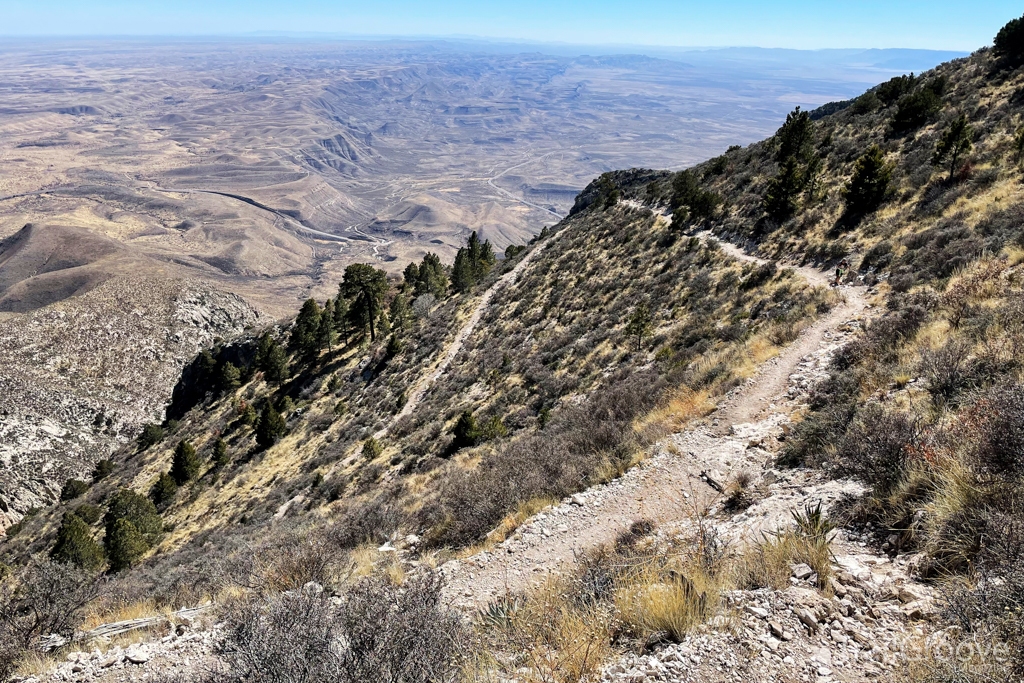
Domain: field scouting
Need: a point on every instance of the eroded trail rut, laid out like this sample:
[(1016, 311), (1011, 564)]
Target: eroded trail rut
[(673, 482)]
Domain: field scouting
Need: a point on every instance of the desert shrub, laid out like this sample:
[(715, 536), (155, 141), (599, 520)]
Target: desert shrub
[(816, 434), (378, 632), (75, 544), (375, 521), (73, 488), (575, 448), (993, 428), (43, 598), (949, 370), (372, 448), (878, 446)]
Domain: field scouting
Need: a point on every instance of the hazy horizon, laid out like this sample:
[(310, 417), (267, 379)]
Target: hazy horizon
[(795, 24)]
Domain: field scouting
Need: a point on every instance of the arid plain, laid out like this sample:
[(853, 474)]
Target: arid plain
[(155, 196)]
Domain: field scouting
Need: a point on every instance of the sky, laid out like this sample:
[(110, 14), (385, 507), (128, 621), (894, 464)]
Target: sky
[(801, 24)]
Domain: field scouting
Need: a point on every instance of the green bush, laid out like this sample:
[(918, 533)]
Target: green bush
[(104, 468), (125, 545), (75, 544), (152, 434), (132, 526), (73, 488), (89, 513), (372, 448), (163, 490), (221, 457), (918, 108)]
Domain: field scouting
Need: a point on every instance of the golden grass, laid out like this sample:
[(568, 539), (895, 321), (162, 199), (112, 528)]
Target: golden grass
[(651, 603), (35, 664), (135, 610), (510, 523)]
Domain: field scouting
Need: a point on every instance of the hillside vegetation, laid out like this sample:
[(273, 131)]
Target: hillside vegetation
[(285, 451)]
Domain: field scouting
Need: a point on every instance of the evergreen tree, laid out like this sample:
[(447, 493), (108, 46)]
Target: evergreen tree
[(325, 333), (365, 287), (186, 464), (89, 513), (433, 277), (135, 508), (485, 260), (918, 107), (230, 377), (782, 191), (306, 330), (341, 319), (955, 142), (869, 186), (163, 491), (640, 324), (462, 271), (221, 457), (73, 488), (207, 366), (271, 359), (1009, 42), (75, 544), (384, 323), (103, 469), (125, 545), (466, 431), (394, 347), (689, 201), (410, 277), (795, 139), (270, 426), (400, 312)]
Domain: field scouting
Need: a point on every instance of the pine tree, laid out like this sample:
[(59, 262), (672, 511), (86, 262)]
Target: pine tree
[(103, 469), (466, 432), (869, 186), (186, 464), (1009, 42), (271, 359), (270, 426), (473, 247), (955, 142), (365, 287), (305, 331), (325, 333), (782, 191), (75, 544), (486, 260), (230, 377), (341, 318), (163, 490), (400, 312), (462, 271), (795, 139), (151, 434), (125, 545), (221, 457), (640, 324), (433, 278), (410, 277)]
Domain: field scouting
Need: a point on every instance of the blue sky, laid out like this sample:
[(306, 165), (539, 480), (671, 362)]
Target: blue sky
[(938, 24)]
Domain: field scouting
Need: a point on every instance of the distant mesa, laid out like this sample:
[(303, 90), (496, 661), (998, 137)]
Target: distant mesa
[(171, 119)]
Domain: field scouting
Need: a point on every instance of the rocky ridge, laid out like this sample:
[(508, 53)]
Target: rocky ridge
[(77, 381)]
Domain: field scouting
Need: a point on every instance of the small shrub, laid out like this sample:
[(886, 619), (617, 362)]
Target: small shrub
[(89, 513), (878, 447), (372, 449), (948, 371), (378, 632), (163, 491), (151, 435), (104, 468), (73, 488)]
